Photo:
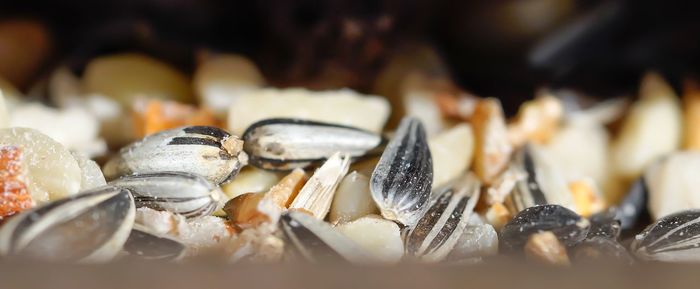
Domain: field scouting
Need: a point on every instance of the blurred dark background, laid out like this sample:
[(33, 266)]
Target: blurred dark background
[(502, 48)]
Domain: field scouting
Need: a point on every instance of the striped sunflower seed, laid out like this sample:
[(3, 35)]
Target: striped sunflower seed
[(142, 243), (89, 227), (206, 151), (543, 185), (317, 242), (186, 194), (437, 232), (286, 144), (402, 181), (674, 238)]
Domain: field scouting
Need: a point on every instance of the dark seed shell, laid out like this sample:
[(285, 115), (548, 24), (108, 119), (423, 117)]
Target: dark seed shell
[(89, 227), (286, 144), (569, 227), (633, 208), (601, 249), (674, 238), (605, 224), (437, 232), (143, 244), (317, 242), (402, 181)]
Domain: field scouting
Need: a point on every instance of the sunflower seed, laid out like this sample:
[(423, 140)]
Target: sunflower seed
[(599, 249), (633, 207), (89, 227), (604, 224), (207, 151), (186, 194), (144, 244), (543, 185), (674, 238), (285, 143), (437, 232), (316, 241), (569, 227), (402, 181), (317, 194)]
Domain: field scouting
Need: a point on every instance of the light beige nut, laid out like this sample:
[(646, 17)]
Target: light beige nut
[(492, 146), (544, 247), (352, 200)]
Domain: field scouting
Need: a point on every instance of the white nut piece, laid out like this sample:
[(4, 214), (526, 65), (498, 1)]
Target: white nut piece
[(53, 173), (452, 153), (344, 107), (352, 200), (652, 128), (91, 173), (220, 79), (378, 236)]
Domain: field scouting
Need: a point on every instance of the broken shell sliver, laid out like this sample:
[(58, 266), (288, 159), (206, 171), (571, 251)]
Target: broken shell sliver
[(317, 194)]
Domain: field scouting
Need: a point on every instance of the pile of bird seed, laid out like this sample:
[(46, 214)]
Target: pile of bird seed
[(245, 172)]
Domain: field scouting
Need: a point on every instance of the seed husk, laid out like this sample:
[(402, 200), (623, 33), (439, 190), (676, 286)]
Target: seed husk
[(605, 225), (543, 185), (186, 194), (437, 232), (285, 144), (633, 208), (207, 151), (317, 242), (569, 227), (142, 243), (545, 247), (673, 238), (601, 249), (317, 194), (402, 181), (89, 227)]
